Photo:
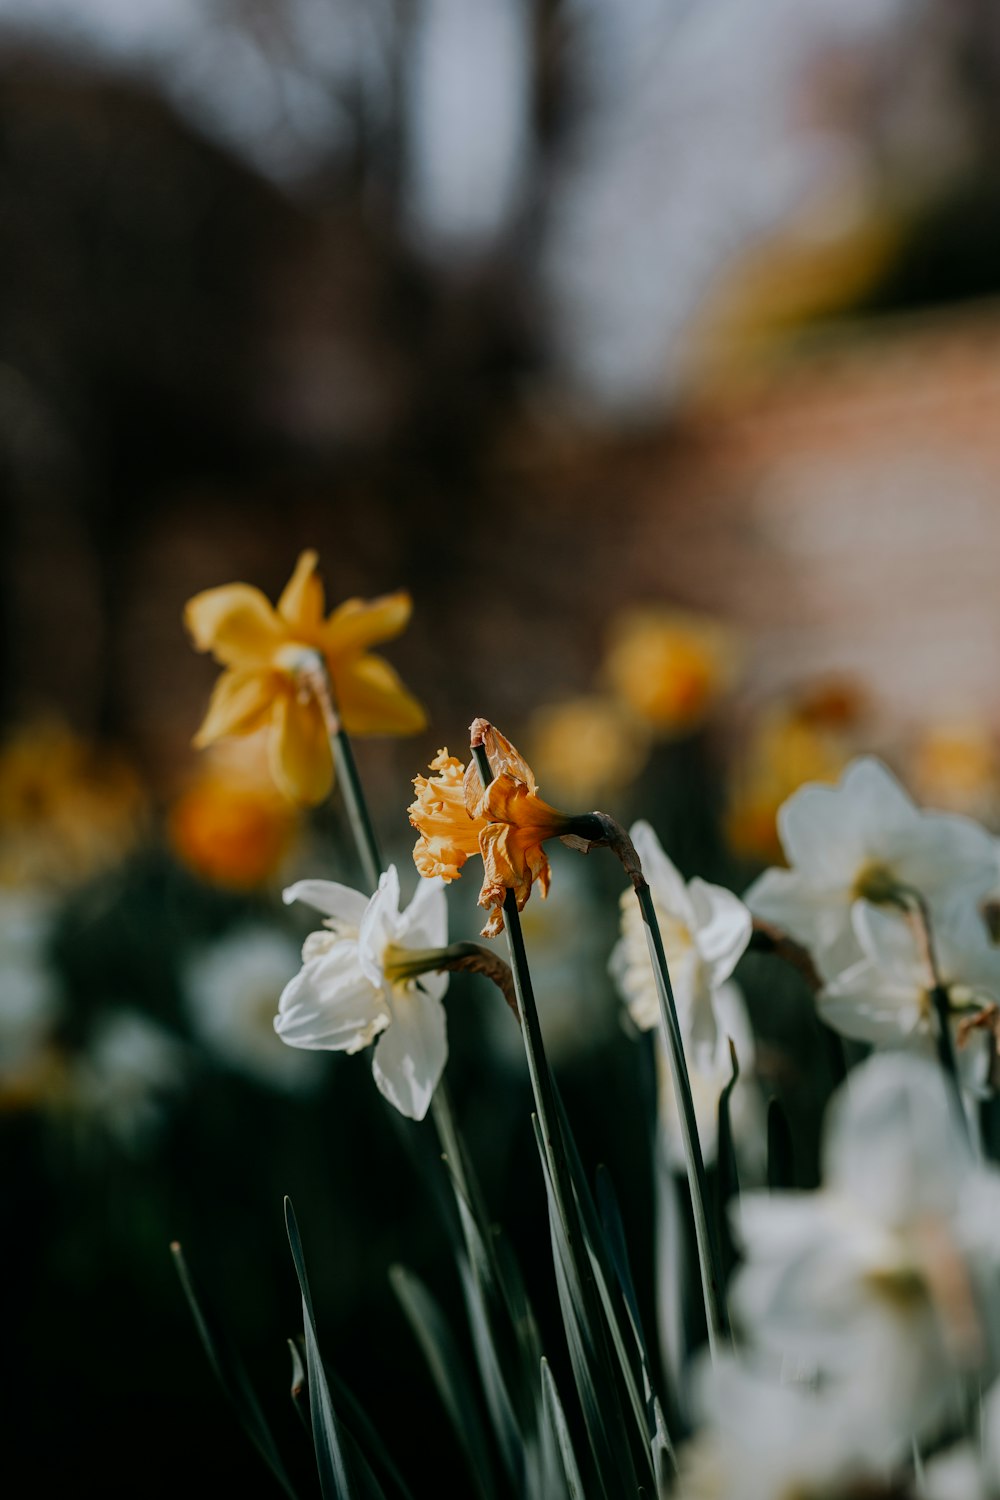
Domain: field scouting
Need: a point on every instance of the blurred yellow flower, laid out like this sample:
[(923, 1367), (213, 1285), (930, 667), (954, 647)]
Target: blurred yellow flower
[(788, 746), (669, 666), (230, 825), (68, 808), (506, 822), (587, 747), (956, 766), (267, 652)]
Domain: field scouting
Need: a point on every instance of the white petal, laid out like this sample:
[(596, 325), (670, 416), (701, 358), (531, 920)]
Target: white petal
[(891, 1141), (410, 1057), (330, 1004), (424, 923), (378, 926), (333, 900), (662, 875), (723, 927)]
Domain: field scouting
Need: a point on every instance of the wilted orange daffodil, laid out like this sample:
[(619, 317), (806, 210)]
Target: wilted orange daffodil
[(269, 654), (506, 822)]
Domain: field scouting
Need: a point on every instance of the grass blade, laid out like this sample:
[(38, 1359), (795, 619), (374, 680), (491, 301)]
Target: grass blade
[(233, 1378), (330, 1465), (556, 1418), (448, 1372)]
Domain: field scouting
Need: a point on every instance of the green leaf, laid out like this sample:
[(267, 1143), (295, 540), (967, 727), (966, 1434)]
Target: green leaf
[(556, 1418), (326, 1437), (232, 1377), (655, 1430), (448, 1372)]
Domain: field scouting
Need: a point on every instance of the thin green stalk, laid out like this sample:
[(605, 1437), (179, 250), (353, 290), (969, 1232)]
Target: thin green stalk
[(543, 1091), (709, 1261), (317, 677)]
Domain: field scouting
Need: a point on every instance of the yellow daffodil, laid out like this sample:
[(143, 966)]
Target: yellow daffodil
[(587, 747), (505, 822), (269, 653), (669, 667)]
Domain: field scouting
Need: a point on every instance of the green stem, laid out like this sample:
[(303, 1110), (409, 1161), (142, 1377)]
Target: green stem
[(546, 1109), (317, 676), (709, 1261)]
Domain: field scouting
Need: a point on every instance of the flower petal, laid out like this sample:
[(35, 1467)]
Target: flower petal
[(424, 923), (722, 927), (337, 901), (239, 704), (236, 623), (330, 1005), (359, 623), (302, 602), (662, 875), (299, 751), (379, 925), (410, 1057), (371, 699)]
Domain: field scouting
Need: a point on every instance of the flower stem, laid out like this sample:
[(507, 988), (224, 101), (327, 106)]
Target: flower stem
[(709, 1261), (920, 922), (318, 680), (550, 1131)]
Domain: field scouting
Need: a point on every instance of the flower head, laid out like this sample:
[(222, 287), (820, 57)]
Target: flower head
[(357, 984), (588, 746), (506, 822), (669, 667), (883, 1280), (863, 840), (230, 825), (269, 652)]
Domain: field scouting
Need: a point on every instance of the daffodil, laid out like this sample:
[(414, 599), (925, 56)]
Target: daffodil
[(369, 976), (882, 1282), (270, 654), (705, 931), (506, 822), (670, 666), (864, 839)]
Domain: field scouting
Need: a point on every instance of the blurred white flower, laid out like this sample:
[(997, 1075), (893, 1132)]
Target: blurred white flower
[(864, 839), (705, 930), (883, 1282), (231, 990), (29, 992), (122, 1082), (885, 998), (708, 1076), (354, 985), (760, 1440)]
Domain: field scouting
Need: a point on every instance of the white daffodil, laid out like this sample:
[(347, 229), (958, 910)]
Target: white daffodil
[(705, 930), (863, 839), (761, 1440), (357, 984), (883, 1282), (229, 988), (885, 999)]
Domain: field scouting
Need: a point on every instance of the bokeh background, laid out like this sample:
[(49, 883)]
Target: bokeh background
[(654, 347)]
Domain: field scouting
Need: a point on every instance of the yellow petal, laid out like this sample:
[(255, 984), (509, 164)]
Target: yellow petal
[(504, 757), (236, 623), (372, 700), (239, 704), (302, 602), (359, 623), (299, 750)]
